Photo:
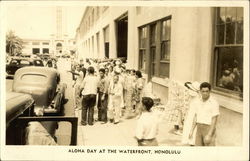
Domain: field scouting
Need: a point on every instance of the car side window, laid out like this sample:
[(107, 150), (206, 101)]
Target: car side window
[(14, 62), (38, 63), (25, 62)]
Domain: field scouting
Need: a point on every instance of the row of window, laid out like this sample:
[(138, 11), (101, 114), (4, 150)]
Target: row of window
[(227, 75), (93, 16), (90, 43), (37, 50), (38, 43)]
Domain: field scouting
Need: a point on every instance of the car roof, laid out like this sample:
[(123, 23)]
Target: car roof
[(28, 59), (50, 72)]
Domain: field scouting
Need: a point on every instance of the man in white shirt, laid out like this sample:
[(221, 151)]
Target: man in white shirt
[(89, 91), (115, 94), (206, 114), (147, 125)]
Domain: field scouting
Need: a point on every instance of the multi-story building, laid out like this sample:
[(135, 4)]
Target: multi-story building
[(58, 43), (35, 46), (175, 44)]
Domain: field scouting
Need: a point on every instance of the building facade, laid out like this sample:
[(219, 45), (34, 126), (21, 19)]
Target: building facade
[(35, 46), (58, 43), (175, 44)]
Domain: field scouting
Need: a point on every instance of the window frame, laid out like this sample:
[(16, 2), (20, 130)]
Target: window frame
[(158, 61), (142, 56), (214, 78)]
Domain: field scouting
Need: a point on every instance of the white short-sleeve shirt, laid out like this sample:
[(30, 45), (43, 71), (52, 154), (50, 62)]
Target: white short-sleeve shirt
[(205, 111), (147, 126), (89, 85)]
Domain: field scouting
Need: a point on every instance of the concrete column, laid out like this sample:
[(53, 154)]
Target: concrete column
[(132, 60), (101, 50), (112, 40), (205, 47), (184, 34)]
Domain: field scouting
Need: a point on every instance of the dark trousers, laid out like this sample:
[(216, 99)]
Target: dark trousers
[(102, 107), (88, 103)]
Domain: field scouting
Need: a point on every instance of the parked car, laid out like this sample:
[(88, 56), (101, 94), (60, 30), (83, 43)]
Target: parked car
[(23, 127), (17, 63), (43, 84)]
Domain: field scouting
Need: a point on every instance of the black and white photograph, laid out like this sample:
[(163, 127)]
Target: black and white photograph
[(117, 80)]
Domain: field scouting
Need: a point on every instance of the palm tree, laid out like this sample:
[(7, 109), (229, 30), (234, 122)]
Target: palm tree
[(14, 44)]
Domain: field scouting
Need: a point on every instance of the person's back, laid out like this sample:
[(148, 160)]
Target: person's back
[(91, 83), (147, 124), (150, 123)]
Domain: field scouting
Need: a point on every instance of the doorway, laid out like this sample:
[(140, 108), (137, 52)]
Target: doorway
[(122, 36)]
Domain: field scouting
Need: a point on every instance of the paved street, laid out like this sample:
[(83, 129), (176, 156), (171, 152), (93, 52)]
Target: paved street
[(121, 134)]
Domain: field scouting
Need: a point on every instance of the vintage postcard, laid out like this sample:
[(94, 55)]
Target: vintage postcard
[(124, 80)]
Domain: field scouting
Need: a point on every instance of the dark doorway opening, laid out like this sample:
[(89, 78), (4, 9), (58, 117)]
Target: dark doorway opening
[(122, 36), (106, 41), (106, 49)]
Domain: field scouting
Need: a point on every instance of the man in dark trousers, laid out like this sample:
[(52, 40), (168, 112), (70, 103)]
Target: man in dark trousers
[(88, 90)]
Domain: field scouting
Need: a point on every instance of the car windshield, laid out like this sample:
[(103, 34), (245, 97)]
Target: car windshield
[(34, 78)]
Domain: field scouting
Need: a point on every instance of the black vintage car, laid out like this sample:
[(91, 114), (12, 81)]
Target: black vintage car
[(39, 125), (43, 84), (23, 127), (17, 63)]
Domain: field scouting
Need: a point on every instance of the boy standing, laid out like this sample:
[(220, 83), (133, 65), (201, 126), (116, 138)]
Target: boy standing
[(147, 125)]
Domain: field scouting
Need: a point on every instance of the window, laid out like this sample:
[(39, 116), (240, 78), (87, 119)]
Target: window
[(165, 39), (106, 41), (165, 48), (97, 43), (24, 62), (93, 17), (35, 43), (228, 58), (35, 51), (158, 48), (142, 48), (153, 48), (45, 43), (92, 43), (45, 50)]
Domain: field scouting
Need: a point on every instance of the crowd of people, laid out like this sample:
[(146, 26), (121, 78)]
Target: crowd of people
[(115, 90), (119, 92)]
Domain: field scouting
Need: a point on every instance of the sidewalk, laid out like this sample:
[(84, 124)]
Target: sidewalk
[(121, 134)]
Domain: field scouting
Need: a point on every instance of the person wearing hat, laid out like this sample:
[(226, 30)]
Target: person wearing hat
[(193, 91), (147, 125), (79, 76), (205, 119)]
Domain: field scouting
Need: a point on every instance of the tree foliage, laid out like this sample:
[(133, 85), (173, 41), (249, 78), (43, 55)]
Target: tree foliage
[(14, 44)]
